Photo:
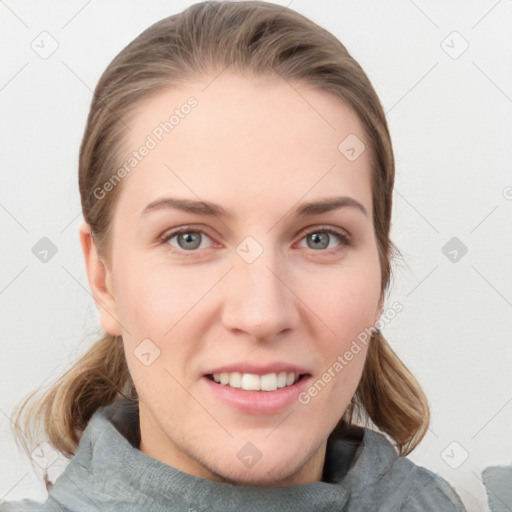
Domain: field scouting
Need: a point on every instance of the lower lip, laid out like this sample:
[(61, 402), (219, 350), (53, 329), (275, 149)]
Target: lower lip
[(258, 402)]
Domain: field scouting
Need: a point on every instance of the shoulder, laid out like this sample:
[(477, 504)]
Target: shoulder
[(99, 425), (430, 492), (398, 483)]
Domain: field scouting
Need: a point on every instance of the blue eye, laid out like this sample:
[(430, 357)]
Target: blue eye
[(188, 240), (321, 238)]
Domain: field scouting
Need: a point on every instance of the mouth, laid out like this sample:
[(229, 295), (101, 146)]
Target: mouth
[(261, 392), (253, 382)]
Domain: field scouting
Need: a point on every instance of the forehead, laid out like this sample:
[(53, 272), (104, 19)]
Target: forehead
[(247, 141)]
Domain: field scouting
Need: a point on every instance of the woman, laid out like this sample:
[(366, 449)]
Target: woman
[(236, 178)]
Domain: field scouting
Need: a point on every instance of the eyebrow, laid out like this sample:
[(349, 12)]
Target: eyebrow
[(208, 208)]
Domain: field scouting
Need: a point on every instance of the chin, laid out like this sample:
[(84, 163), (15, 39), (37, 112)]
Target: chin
[(262, 477), (283, 470)]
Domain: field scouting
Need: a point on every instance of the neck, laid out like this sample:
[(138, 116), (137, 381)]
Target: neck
[(157, 444)]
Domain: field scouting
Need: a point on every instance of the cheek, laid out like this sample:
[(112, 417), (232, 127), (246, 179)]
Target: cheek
[(347, 307), (346, 299), (152, 298), (162, 304)]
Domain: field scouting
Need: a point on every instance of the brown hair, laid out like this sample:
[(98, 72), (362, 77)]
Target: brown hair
[(250, 37)]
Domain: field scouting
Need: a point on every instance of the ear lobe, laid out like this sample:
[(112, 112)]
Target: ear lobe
[(100, 282)]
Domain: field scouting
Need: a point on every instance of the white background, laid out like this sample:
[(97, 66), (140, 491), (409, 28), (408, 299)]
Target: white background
[(450, 120)]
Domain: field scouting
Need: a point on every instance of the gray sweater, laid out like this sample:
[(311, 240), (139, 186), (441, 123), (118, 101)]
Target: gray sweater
[(362, 473)]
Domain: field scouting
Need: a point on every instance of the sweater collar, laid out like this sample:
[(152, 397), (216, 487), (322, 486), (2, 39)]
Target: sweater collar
[(109, 466), (340, 452)]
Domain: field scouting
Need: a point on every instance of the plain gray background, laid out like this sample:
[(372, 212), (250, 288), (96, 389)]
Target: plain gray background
[(449, 109)]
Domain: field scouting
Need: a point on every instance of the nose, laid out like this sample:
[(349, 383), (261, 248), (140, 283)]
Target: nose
[(259, 301)]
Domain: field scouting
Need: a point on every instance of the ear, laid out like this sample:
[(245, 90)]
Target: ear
[(380, 309), (380, 305), (100, 282)]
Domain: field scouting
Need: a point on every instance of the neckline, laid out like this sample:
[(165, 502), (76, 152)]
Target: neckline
[(137, 480), (343, 444)]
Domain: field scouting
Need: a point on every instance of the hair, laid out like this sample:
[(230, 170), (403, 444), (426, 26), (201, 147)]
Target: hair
[(251, 38)]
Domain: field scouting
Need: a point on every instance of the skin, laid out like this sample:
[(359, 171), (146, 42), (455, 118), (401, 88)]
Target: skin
[(257, 147)]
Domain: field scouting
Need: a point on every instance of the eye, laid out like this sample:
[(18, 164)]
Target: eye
[(186, 238), (320, 239)]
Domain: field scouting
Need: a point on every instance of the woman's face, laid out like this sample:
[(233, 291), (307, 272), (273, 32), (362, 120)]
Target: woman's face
[(260, 291)]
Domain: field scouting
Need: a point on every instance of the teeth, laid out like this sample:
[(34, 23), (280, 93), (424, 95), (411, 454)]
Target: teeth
[(282, 379), (268, 382), (235, 380), (252, 382)]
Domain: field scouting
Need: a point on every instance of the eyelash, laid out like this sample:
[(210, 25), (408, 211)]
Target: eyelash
[(345, 240)]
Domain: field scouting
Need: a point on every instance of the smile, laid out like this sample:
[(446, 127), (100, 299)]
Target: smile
[(253, 382)]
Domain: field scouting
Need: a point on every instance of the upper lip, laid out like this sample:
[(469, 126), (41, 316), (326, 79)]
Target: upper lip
[(258, 369)]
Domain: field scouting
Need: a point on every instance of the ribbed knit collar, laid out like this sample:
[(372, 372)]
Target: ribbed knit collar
[(109, 472)]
